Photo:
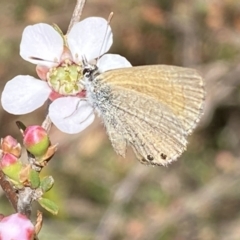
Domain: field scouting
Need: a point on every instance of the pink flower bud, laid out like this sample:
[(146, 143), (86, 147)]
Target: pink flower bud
[(8, 160), (16, 227), (11, 145), (11, 166), (36, 140)]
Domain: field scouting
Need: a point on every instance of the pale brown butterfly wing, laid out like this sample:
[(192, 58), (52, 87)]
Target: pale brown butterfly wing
[(152, 108), (153, 131), (181, 89), (117, 139)]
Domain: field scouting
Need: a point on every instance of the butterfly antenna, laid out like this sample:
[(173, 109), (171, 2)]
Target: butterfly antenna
[(84, 60), (40, 59), (105, 35)]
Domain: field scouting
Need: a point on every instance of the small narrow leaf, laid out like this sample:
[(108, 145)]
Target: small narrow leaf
[(47, 183), (49, 205), (34, 179)]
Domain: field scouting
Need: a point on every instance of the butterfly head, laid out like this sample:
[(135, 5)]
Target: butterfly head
[(90, 71), (89, 81)]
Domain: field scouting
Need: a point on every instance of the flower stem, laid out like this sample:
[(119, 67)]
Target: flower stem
[(76, 13)]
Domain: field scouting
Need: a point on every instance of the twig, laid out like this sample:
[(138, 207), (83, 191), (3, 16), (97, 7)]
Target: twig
[(24, 201), (76, 13), (47, 123)]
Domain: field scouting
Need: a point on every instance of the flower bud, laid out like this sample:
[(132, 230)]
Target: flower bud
[(11, 145), (36, 140), (11, 167), (16, 227)]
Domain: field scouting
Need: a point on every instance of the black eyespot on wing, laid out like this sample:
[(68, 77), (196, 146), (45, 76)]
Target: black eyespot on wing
[(150, 157), (163, 156), (144, 161)]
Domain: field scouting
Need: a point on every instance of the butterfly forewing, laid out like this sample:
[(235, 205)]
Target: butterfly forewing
[(181, 89)]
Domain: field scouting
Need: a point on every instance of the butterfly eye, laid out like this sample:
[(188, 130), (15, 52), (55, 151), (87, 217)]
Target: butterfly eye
[(86, 72), (90, 71)]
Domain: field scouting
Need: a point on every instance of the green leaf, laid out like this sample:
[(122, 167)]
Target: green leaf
[(49, 205), (47, 183), (34, 179)]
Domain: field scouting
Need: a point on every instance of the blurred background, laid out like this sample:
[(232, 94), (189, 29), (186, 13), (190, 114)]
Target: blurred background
[(103, 196)]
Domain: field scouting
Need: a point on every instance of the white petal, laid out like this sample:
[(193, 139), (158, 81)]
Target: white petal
[(91, 38), (24, 94), (71, 114), (41, 41), (112, 61)]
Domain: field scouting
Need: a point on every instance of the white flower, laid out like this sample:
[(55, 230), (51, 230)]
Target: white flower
[(59, 66)]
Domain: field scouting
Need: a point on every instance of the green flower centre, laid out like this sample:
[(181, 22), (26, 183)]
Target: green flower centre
[(65, 79)]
